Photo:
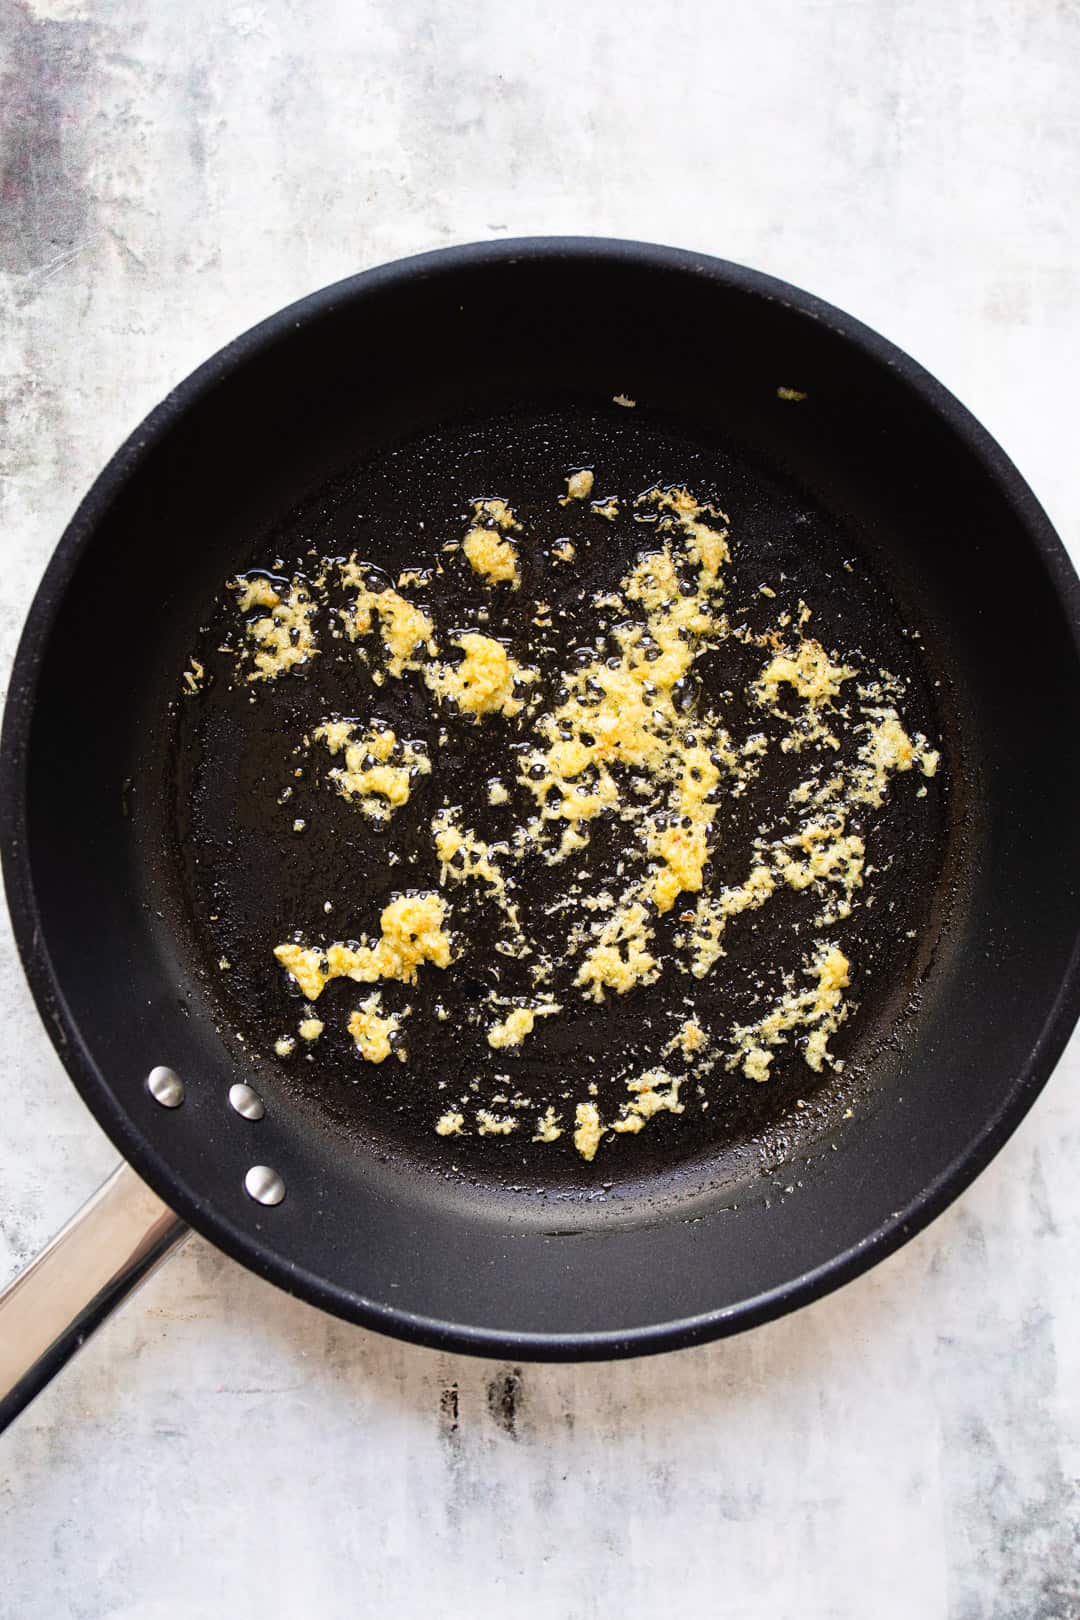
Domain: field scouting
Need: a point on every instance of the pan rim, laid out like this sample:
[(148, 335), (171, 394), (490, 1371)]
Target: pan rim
[(259, 1255)]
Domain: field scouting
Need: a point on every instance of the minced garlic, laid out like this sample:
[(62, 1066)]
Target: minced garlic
[(497, 512), (413, 932), (484, 681), (512, 1030), (621, 958), (374, 1032), (464, 855), (194, 677), (687, 1039), (405, 629), (820, 1009), (254, 591), (489, 1124), (814, 678), (628, 737), (606, 509), (283, 638), (708, 546), (579, 486), (377, 771), (492, 556), (548, 1128), (629, 713), (649, 1099), (588, 1130), (652, 1093), (712, 915), (888, 748)]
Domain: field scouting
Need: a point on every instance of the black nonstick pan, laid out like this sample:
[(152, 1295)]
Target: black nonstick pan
[(137, 857)]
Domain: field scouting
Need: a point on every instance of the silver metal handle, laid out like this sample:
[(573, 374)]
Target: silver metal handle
[(104, 1252)]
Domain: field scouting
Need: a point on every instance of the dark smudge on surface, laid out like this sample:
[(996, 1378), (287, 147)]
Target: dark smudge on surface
[(505, 1395)]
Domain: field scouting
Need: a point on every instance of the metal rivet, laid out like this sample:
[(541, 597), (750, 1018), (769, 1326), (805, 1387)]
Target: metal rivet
[(165, 1087), (246, 1101), (264, 1185)]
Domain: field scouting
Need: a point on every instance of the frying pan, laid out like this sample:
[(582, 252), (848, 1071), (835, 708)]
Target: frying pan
[(594, 1265)]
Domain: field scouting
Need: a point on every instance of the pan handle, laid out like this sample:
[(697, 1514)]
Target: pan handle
[(104, 1252)]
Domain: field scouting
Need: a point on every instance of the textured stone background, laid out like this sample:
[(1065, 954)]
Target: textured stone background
[(174, 171)]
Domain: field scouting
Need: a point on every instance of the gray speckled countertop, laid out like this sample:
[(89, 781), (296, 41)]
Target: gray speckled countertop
[(907, 1448)]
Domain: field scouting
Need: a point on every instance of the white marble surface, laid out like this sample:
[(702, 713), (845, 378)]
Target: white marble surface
[(907, 1448)]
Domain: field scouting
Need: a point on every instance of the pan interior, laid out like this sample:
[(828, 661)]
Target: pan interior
[(266, 849)]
